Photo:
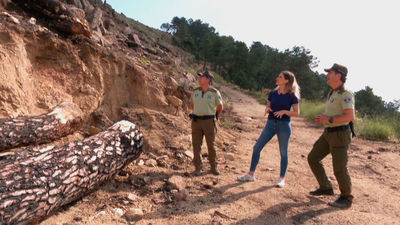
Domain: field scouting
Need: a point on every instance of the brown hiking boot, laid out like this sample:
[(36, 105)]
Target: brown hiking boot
[(197, 171), (214, 170), (341, 202)]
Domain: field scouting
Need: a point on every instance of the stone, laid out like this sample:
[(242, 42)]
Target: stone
[(151, 162), (230, 156), (11, 18), (189, 154), (191, 77), (177, 182), (119, 211), (174, 101), (147, 179), (181, 195), (133, 214), (140, 163), (32, 21), (132, 197), (162, 163)]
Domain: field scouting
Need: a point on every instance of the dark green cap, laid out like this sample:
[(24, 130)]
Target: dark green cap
[(338, 68), (206, 74)]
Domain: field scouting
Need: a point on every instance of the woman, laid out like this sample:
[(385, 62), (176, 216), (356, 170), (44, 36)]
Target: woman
[(280, 100)]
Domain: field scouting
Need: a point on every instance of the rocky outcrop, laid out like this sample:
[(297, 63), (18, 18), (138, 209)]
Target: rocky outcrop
[(66, 18)]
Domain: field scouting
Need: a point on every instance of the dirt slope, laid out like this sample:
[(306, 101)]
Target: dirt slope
[(222, 200), (116, 75)]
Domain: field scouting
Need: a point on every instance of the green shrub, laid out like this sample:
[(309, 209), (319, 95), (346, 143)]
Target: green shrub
[(220, 80), (310, 109), (260, 96), (378, 128)]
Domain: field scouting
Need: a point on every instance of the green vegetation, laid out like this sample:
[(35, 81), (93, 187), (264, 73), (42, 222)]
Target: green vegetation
[(379, 128), (310, 109), (260, 96), (253, 68), (219, 79), (144, 61), (386, 128)]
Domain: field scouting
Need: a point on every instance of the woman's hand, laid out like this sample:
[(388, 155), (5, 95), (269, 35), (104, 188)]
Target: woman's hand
[(279, 114), (267, 110)]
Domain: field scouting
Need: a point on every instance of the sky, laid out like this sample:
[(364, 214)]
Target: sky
[(362, 35)]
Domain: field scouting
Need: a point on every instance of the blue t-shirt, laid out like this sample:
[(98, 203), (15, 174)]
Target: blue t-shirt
[(281, 102)]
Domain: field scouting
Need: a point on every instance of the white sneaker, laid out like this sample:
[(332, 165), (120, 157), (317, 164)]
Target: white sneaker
[(281, 183), (247, 177)]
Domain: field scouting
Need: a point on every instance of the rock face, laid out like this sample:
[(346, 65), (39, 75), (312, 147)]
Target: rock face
[(66, 18), (37, 181), (39, 69)]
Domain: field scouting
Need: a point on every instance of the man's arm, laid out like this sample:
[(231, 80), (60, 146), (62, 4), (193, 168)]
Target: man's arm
[(191, 105), (220, 107), (347, 117)]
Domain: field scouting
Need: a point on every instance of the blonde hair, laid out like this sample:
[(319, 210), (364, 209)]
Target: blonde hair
[(292, 86)]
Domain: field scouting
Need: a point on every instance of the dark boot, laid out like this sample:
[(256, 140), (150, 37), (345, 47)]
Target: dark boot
[(341, 202), (214, 169), (197, 171)]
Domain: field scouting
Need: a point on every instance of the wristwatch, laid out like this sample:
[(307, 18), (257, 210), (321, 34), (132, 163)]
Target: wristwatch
[(330, 119)]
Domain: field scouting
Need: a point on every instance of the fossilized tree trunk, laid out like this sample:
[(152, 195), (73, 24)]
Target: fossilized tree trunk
[(63, 120), (37, 181)]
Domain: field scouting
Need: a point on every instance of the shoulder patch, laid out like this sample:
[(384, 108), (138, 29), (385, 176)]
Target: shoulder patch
[(347, 99)]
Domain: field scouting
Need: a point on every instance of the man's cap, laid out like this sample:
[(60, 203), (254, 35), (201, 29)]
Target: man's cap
[(338, 68), (206, 74)]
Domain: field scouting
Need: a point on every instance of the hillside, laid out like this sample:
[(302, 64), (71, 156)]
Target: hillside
[(126, 70)]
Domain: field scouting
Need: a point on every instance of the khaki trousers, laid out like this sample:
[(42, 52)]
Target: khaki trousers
[(337, 143), (201, 128)]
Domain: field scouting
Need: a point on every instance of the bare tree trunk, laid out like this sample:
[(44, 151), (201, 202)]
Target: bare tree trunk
[(37, 181), (63, 120)]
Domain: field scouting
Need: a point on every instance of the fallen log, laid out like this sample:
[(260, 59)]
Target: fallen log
[(37, 181), (65, 119)]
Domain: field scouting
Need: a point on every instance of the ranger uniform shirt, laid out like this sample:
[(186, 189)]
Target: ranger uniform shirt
[(337, 102), (205, 103)]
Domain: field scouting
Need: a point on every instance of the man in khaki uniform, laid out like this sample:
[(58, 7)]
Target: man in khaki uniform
[(339, 112), (206, 103)]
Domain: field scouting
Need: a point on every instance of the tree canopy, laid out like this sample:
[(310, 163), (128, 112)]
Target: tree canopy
[(253, 68), (257, 67)]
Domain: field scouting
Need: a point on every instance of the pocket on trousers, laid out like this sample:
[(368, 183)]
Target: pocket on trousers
[(340, 139)]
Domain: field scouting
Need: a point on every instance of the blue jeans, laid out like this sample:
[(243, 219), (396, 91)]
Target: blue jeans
[(283, 130)]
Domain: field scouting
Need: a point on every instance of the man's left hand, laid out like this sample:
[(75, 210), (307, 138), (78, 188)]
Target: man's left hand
[(322, 119)]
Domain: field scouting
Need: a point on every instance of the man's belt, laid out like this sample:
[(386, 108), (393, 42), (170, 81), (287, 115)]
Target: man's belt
[(339, 128), (196, 117)]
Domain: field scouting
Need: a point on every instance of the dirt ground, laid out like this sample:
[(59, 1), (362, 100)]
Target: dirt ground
[(374, 168)]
